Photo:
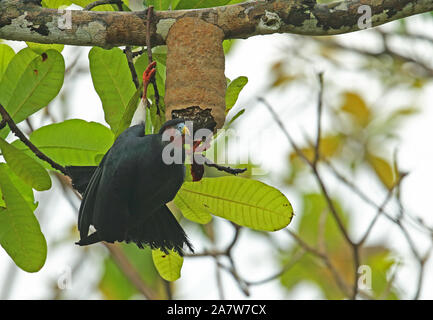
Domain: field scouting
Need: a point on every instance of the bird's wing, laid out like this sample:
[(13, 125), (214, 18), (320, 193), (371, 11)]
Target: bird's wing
[(117, 181), (85, 214), (80, 176), (100, 199)]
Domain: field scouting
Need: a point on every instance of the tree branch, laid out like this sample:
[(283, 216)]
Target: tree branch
[(29, 22), (7, 118)]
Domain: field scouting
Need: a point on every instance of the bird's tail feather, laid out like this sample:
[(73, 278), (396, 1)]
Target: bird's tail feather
[(160, 230), (90, 239)]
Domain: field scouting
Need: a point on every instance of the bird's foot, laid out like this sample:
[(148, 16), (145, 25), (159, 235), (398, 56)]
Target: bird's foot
[(147, 77), (149, 73)]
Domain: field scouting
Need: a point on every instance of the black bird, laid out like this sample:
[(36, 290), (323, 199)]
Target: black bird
[(125, 197)]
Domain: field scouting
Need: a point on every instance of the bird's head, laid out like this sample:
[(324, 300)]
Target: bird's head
[(175, 131)]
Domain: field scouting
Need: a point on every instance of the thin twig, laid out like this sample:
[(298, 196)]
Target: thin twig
[(149, 55), (324, 190), (319, 120), (211, 164), (398, 222), (319, 180), (129, 270), (338, 279), (380, 211), (7, 118), (129, 58), (29, 124), (243, 286), (356, 263), (294, 260), (219, 279)]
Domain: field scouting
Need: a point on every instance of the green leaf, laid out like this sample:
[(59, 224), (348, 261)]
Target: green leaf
[(20, 233), (112, 81), (246, 202), (54, 4), (6, 55), (314, 206), (23, 188), (159, 5), (157, 119), (233, 90), (195, 4), (115, 285), (40, 48), (235, 1), (160, 54), (316, 225), (72, 142), (148, 129), (105, 7), (190, 209), (29, 85), (168, 265), (30, 171), (237, 115), (380, 259), (228, 45), (128, 114)]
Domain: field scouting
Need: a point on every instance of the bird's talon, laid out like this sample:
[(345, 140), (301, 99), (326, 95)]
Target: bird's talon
[(149, 72)]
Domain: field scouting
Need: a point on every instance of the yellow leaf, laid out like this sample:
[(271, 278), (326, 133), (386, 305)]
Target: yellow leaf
[(283, 79), (329, 147), (168, 265), (384, 170), (355, 106)]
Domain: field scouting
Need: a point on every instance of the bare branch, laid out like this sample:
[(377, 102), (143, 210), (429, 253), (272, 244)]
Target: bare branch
[(29, 22), (319, 121), (316, 174), (7, 118), (129, 270)]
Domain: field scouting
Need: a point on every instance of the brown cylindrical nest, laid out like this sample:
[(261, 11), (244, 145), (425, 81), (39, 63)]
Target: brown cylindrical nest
[(195, 84)]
